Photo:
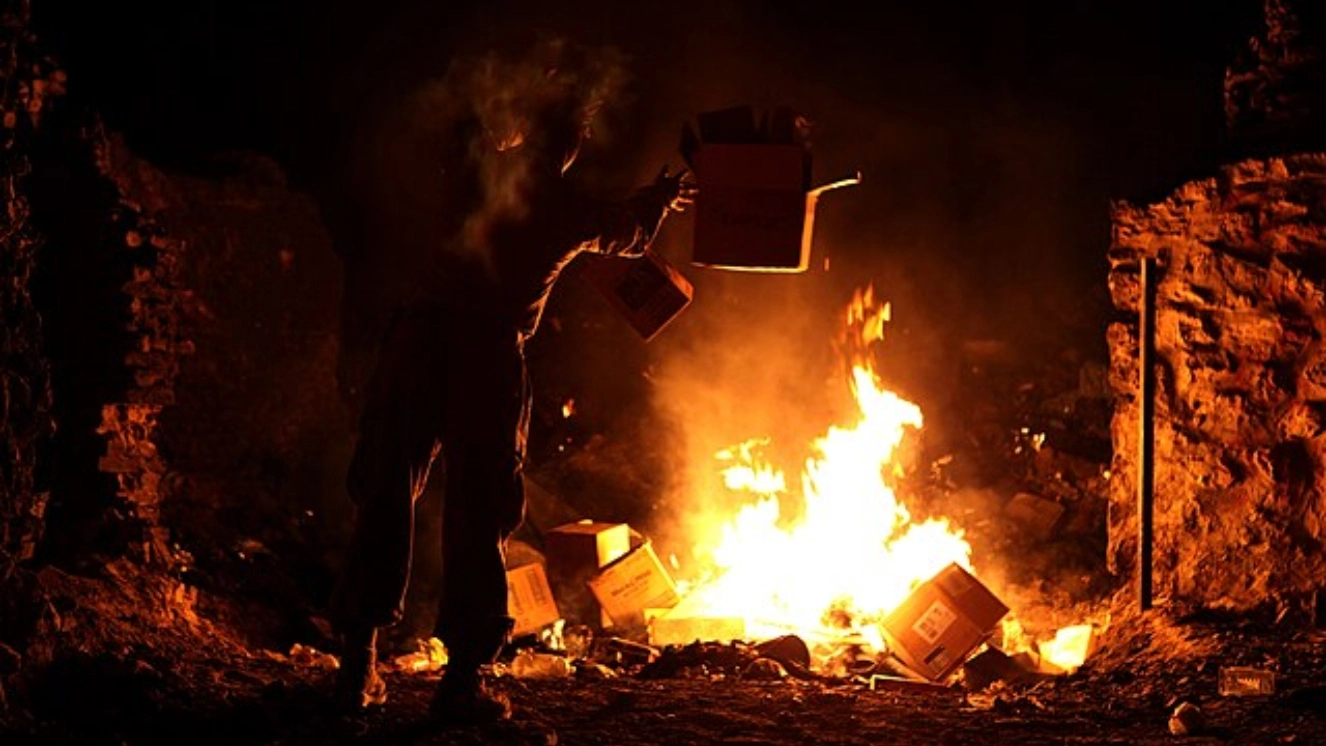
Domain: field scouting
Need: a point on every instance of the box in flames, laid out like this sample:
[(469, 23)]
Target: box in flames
[(646, 290), (942, 622)]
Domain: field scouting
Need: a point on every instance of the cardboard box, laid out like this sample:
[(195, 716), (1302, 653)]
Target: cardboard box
[(632, 584), (647, 291), (753, 212), (756, 209), (946, 618), (577, 552), (529, 599), (666, 629)]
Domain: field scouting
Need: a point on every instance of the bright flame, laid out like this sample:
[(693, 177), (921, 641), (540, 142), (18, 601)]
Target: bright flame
[(854, 553), (568, 409)]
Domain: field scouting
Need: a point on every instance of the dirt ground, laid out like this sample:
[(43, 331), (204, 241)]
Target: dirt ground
[(129, 658)]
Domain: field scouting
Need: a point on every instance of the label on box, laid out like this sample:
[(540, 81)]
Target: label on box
[(529, 600), (632, 584), (934, 622)]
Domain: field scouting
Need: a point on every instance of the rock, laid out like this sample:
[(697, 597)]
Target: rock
[(764, 669), (1237, 419), (1187, 720)]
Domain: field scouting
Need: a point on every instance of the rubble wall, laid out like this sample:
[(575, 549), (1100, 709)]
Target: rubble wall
[(29, 81), (1240, 423), (257, 438)]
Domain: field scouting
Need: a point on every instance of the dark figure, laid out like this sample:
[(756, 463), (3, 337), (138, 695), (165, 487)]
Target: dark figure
[(451, 380)]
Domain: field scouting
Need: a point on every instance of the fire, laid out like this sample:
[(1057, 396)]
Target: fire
[(853, 553)]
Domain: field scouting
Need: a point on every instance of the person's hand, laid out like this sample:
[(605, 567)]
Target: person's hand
[(675, 192)]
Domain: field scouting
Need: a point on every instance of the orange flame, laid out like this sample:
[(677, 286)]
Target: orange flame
[(854, 553)]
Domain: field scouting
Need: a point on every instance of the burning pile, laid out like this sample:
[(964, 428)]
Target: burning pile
[(854, 553)]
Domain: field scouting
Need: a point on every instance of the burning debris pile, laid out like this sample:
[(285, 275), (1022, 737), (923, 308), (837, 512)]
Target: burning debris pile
[(835, 561)]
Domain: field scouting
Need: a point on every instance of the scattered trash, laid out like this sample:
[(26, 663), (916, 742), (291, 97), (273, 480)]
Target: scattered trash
[(789, 650), (896, 683), (531, 665), (591, 671), (671, 629), (1038, 516), (764, 669), (1070, 647), (1237, 681), (1187, 720), (625, 652), (430, 655), (578, 641), (992, 665), (304, 655)]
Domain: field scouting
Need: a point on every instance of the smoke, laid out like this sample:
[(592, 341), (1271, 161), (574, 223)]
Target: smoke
[(989, 158), (497, 120)]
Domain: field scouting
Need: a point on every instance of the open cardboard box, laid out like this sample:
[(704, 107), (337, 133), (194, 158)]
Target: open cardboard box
[(756, 209)]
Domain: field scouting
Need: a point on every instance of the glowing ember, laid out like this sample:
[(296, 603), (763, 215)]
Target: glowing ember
[(854, 553)]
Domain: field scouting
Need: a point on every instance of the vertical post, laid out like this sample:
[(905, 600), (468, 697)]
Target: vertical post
[(1146, 463)]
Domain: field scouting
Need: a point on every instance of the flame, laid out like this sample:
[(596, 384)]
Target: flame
[(853, 553), (568, 409)]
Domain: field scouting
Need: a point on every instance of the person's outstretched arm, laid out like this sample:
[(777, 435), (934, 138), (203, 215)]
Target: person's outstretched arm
[(628, 227)]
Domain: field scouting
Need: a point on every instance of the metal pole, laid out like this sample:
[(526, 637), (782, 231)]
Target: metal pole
[(1146, 465)]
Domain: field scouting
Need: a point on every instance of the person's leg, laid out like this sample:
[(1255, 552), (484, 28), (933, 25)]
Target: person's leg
[(484, 504), (396, 447)]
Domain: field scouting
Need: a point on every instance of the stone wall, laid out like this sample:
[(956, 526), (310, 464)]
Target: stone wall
[(29, 82), (1240, 457), (257, 437)]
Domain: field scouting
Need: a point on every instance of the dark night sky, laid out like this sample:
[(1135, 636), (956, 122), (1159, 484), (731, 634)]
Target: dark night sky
[(992, 136)]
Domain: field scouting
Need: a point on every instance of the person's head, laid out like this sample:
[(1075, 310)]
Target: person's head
[(560, 129), (543, 101)]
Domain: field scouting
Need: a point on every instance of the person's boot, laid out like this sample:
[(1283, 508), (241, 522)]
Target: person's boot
[(462, 699), (358, 684)]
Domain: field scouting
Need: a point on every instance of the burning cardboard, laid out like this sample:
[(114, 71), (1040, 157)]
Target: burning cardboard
[(1070, 647), (671, 629), (633, 583), (944, 620), (755, 210)]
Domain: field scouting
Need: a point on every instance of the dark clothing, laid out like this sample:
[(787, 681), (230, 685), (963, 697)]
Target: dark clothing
[(507, 257), (451, 378)]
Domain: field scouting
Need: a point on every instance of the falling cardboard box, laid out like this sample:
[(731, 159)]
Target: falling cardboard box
[(944, 620), (647, 291), (632, 584), (755, 210), (529, 599)]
